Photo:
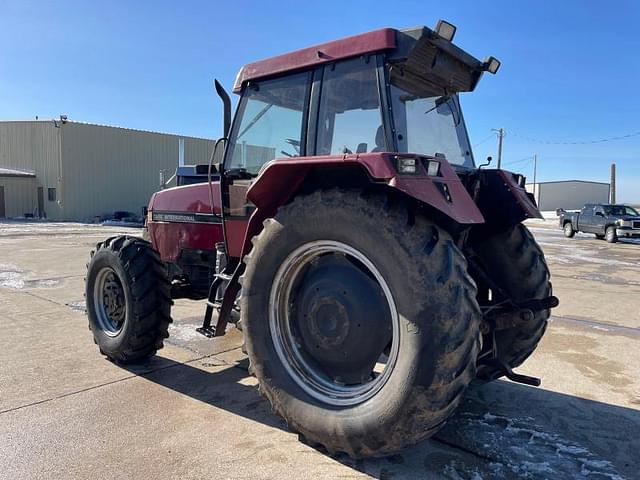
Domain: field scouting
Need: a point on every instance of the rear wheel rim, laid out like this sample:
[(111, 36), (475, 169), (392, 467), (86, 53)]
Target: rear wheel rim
[(302, 368), (109, 301)]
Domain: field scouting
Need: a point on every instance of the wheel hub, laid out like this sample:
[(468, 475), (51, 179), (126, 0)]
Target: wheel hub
[(340, 314), (328, 323), (110, 303)]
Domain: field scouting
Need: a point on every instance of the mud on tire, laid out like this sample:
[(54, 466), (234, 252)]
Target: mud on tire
[(516, 263), (128, 299), (438, 316)]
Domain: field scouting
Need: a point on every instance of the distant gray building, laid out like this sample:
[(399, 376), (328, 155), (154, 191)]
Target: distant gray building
[(568, 194), (76, 171)]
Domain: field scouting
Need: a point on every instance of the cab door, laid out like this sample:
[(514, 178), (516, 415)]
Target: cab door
[(270, 123)]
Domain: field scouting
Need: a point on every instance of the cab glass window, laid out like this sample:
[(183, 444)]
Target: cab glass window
[(270, 124), (349, 119)]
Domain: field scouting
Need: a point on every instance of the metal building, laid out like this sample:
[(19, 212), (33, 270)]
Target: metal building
[(568, 194), (79, 171)]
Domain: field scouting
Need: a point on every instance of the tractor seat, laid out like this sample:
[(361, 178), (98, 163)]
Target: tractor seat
[(380, 143)]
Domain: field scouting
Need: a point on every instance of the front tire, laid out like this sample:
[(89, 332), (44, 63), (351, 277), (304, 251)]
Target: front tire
[(610, 235), (128, 299), (515, 261), (333, 281)]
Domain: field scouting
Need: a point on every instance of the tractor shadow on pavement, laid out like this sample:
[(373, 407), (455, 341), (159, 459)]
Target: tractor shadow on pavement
[(501, 429)]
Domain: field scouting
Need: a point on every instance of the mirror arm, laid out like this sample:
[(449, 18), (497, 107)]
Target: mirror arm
[(219, 170), (485, 164)]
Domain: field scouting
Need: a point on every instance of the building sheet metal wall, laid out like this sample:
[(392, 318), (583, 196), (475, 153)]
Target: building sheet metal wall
[(570, 194), (106, 169), (33, 145)]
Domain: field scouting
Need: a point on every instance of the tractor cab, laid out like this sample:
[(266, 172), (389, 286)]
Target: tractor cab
[(384, 91)]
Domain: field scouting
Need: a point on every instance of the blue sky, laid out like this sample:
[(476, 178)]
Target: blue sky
[(570, 70)]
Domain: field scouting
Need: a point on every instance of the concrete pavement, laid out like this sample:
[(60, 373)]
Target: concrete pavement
[(193, 411)]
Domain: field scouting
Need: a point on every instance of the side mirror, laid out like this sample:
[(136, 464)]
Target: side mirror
[(489, 159)]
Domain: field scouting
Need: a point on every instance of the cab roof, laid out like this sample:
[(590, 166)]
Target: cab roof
[(420, 51), (371, 42)]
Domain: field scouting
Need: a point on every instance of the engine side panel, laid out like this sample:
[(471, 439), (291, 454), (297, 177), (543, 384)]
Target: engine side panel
[(182, 218)]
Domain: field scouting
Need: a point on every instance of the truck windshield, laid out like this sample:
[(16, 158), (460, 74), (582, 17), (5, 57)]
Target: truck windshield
[(620, 210), (430, 124)]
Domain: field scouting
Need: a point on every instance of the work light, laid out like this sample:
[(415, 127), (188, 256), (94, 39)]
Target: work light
[(492, 65), (407, 165), (446, 30), (433, 168)]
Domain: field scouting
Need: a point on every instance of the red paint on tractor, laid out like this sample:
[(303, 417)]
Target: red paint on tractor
[(194, 198), (280, 179), (364, 43), (236, 232), (170, 238)]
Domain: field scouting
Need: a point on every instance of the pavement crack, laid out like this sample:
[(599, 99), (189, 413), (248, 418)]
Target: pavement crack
[(128, 377), (44, 298)]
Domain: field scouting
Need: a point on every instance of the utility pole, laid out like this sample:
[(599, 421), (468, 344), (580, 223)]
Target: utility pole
[(500, 137), (612, 186)]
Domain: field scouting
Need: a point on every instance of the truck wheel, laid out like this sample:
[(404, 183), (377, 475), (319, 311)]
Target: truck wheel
[(360, 320), (516, 263), (610, 235), (569, 232), (128, 299)]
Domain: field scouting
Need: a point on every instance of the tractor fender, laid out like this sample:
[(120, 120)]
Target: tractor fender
[(280, 179), (503, 199)]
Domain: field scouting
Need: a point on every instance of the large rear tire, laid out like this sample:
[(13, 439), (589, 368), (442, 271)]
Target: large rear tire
[(364, 275), (515, 261), (128, 299)]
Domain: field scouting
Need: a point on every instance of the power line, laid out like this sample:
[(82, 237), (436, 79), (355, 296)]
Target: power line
[(530, 157), (483, 141), (583, 142)]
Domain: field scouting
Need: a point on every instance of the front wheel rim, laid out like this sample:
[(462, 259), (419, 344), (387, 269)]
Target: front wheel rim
[(109, 302), (289, 349)]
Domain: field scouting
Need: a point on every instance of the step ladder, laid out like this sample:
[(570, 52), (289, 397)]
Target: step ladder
[(223, 304)]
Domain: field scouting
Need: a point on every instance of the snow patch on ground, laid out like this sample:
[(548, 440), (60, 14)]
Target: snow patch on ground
[(184, 332), (518, 448), (12, 276), (80, 306)]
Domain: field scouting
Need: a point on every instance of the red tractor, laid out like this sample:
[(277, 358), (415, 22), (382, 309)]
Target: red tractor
[(343, 226)]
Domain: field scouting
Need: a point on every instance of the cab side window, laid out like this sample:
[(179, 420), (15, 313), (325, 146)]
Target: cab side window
[(350, 120), (270, 124)]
